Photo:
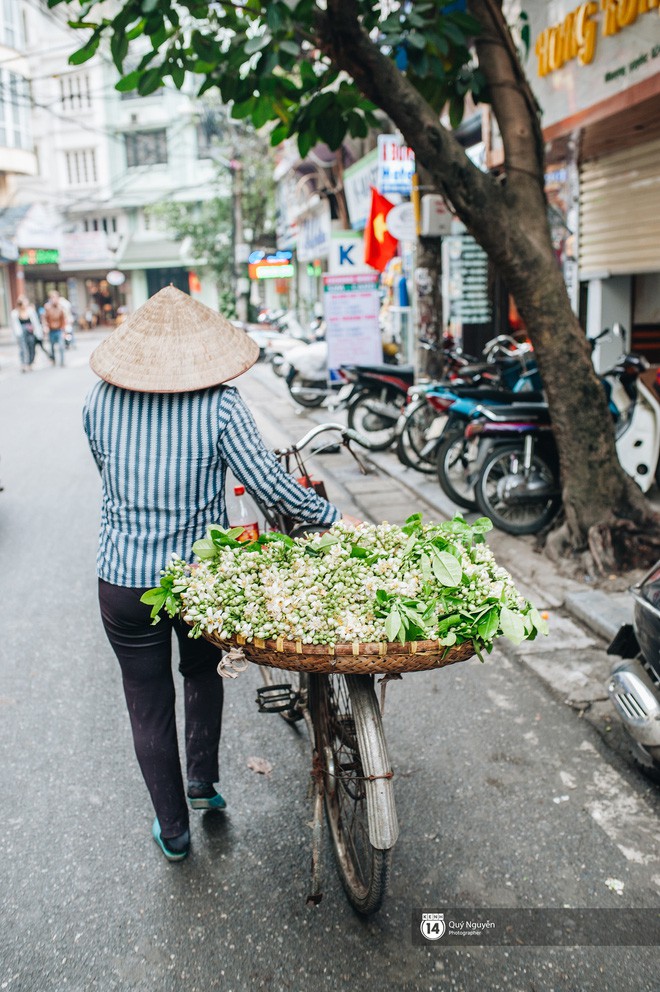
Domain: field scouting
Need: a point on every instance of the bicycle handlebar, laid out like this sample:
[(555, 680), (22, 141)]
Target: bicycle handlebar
[(346, 433)]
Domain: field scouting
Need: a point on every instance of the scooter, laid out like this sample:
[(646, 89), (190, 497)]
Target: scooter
[(515, 472), (634, 685)]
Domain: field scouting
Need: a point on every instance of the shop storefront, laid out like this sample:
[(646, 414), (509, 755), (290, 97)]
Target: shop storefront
[(595, 69)]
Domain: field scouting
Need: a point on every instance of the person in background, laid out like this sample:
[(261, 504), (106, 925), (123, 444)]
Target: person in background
[(55, 320), (27, 331), (164, 428), (69, 337)]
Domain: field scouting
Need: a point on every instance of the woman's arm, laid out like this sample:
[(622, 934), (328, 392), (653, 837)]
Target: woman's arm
[(258, 469)]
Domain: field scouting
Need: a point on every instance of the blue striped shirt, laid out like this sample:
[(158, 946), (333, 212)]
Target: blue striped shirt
[(163, 459)]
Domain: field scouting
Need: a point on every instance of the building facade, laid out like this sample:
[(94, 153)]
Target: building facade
[(84, 222)]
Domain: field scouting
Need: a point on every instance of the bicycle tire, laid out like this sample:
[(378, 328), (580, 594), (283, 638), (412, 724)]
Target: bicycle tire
[(350, 746)]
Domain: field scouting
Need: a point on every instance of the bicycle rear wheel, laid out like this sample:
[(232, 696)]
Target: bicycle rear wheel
[(359, 802)]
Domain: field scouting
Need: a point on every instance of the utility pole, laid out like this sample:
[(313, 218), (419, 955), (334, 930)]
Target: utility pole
[(241, 281)]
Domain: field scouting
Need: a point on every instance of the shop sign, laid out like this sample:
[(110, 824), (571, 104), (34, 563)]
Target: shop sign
[(275, 266), (588, 52), (351, 306), (39, 256), (576, 36), (347, 253), (84, 248), (358, 180), (465, 282), (314, 234), (396, 165)]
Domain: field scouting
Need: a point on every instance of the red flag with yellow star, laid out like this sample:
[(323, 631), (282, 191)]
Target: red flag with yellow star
[(379, 245)]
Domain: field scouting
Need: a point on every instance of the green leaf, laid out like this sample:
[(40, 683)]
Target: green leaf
[(417, 40), (86, 52), (393, 625), (446, 568), (151, 596), (290, 47), (538, 621), (489, 624), (256, 43), (149, 5), (150, 81), (204, 549), (482, 525), (512, 625), (128, 82), (425, 562)]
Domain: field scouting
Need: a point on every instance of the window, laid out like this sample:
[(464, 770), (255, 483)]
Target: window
[(203, 142), (107, 224), (146, 148), (75, 91), (14, 111), (81, 167), (11, 25)]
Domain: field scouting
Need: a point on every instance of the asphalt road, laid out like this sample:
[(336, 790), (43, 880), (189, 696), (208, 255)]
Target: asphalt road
[(505, 797)]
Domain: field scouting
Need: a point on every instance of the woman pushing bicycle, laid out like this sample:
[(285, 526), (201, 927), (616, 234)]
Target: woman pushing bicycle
[(163, 428)]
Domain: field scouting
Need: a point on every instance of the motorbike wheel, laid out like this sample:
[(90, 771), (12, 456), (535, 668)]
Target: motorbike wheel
[(305, 393), (377, 431), (513, 518), (279, 365), (412, 438), (453, 465)]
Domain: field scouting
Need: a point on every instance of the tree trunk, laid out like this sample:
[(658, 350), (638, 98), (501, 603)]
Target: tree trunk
[(428, 274), (508, 217)]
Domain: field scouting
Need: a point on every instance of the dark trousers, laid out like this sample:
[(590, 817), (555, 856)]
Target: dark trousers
[(145, 656)]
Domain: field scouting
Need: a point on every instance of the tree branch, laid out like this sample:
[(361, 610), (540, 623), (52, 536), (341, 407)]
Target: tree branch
[(342, 38), (514, 104)]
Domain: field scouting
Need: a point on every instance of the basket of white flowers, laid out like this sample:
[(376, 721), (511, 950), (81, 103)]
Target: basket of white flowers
[(366, 599)]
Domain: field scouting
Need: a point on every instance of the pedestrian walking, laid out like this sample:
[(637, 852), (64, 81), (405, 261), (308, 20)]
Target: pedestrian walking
[(27, 331), (55, 320), (163, 427)]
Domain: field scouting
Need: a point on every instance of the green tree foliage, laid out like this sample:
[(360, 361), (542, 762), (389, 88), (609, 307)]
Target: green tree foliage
[(267, 59)]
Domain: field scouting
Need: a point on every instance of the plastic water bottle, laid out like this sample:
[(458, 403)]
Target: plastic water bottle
[(242, 514)]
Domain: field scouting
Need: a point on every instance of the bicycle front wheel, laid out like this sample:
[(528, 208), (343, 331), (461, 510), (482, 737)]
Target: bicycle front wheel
[(359, 801)]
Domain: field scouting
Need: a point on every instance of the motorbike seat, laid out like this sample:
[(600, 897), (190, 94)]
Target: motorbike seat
[(536, 412), (499, 396), (405, 372)]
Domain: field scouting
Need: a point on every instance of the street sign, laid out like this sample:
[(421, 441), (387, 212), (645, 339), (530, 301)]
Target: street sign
[(436, 218), (396, 165), (401, 222), (347, 253), (351, 304)]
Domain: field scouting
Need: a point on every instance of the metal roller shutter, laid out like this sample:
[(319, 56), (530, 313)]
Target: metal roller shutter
[(620, 212)]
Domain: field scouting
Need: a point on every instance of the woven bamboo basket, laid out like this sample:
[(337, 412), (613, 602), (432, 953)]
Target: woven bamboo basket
[(348, 659)]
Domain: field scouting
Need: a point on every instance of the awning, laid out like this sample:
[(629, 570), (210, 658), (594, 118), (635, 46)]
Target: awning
[(154, 253)]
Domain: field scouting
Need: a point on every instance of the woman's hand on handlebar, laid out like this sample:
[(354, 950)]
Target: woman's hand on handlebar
[(353, 521)]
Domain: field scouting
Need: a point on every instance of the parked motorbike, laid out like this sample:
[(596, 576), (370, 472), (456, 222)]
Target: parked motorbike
[(437, 412), (634, 685), (379, 395), (515, 469)]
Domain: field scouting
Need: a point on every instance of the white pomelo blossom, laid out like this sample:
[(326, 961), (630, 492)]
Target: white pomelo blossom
[(365, 583)]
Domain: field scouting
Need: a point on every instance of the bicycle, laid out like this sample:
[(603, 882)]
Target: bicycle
[(351, 772)]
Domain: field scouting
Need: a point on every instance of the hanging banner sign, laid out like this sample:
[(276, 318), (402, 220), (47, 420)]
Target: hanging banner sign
[(351, 306), (396, 165)]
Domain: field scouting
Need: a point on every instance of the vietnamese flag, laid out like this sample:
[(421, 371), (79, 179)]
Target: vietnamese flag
[(379, 245)]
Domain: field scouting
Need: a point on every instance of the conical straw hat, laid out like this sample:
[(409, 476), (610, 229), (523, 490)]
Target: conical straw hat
[(173, 344)]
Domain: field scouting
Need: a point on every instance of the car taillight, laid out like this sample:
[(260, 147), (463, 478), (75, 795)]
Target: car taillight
[(439, 403), (473, 429)]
